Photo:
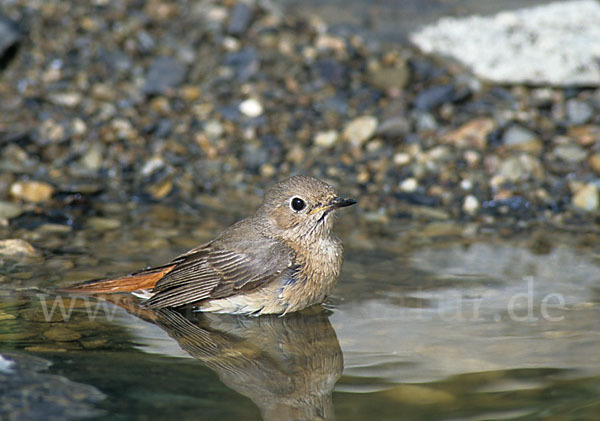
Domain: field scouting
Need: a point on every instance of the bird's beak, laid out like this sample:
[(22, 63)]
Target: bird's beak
[(335, 203)]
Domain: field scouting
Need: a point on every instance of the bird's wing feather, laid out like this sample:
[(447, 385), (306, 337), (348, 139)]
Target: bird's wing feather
[(217, 271)]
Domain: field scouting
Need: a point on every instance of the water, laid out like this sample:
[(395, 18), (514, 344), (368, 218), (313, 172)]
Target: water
[(424, 324)]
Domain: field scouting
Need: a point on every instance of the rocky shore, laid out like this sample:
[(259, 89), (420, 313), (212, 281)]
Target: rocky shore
[(180, 102)]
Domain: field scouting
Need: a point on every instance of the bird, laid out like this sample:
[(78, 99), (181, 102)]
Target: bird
[(281, 259)]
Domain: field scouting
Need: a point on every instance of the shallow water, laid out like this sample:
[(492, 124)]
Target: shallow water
[(427, 322)]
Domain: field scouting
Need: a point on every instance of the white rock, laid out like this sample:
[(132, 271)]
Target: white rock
[(587, 198), (470, 204), (251, 108), (554, 44), (326, 139), (409, 185), (360, 129)]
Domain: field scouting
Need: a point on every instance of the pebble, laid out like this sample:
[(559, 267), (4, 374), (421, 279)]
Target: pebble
[(68, 99), (9, 37), (570, 153), (360, 130), (594, 162), (390, 79), (474, 133), (471, 205), (165, 73), (522, 139), (32, 191), (409, 185), (16, 247), (240, 18), (326, 139), (92, 159), (579, 112), (434, 97), (103, 224), (62, 334), (586, 198), (419, 395), (251, 108), (10, 210)]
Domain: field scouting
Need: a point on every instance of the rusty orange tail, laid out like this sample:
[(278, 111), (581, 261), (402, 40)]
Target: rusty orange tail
[(141, 280)]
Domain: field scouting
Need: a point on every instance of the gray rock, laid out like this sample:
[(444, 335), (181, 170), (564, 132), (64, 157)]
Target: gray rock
[(240, 18), (570, 153), (517, 135), (9, 40), (579, 112), (165, 73), (435, 96)]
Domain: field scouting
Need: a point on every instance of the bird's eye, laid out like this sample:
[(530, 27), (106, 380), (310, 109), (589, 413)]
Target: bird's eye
[(298, 204)]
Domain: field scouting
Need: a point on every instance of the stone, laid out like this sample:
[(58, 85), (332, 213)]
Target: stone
[(61, 334), (165, 73), (67, 99), (326, 139), (570, 153), (9, 39), (473, 133), (360, 129), (409, 185), (586, 198), (434, 96), (521, 139), (389, 79), (92, 159), (9, 210), (579, 112), (240, 18), (470, 205), (251, 108), (16, 247), (103, 224), (594, 162), (32, 191), (535, 45)]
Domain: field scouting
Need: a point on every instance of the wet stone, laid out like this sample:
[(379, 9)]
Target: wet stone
[(251, 108), (32, 191), (103, 224), (9, 210), (16, 247), (165, 74), (62, 334)]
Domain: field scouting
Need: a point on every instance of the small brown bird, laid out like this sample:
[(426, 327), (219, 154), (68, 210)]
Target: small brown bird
[(282, 259)]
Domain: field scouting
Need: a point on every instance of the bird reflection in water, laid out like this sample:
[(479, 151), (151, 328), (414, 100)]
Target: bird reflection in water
[(288, 366)]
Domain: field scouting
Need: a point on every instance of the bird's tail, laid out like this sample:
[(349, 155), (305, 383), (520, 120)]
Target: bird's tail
[(145, 279)]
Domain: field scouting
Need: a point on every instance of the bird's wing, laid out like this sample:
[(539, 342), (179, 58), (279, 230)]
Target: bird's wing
[(217, 271)]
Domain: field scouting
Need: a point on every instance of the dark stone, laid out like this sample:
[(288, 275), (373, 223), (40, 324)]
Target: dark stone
[(244, 63), (332, 71), (10, 37), (240, 18), (165, 74), (435, 96), (511, 205)]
